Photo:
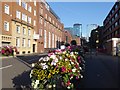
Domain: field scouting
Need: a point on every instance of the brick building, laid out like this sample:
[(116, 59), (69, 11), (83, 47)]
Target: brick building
[(67, 37), (111, 32), (30, 26)]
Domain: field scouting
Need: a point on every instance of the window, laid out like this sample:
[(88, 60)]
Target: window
[(29, 19), (34, 2), (52, 40), (6, 9), (50, 19), (18, 2), (45, 39), (40, 32), (34, 12), (24, 5), (44, 23), (18, 14), (53, 21), (29, 8), (28, 42), (41, 10), (23, 42), (116, 15), (18, 29), (116, 6), (17, 42), (49, 40), (34, 23), (24, 17), (116, 23), (113, 11), (113, 19), (46, 16), (6, 26), (55, 40), (41, 20), (24, 30), (29, 32)]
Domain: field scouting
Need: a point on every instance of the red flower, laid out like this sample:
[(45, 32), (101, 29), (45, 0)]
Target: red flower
[(63, 69), (68, 83)]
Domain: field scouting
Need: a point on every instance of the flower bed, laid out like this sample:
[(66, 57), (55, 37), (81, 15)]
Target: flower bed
[(59, 65), (8, 50)]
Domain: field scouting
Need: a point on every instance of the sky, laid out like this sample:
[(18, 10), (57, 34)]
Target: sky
[(82, 12)]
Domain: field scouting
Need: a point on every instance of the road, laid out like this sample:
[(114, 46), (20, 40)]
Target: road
[(102, 71)]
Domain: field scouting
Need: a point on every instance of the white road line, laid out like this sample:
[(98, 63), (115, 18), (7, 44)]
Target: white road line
[(6, 67)]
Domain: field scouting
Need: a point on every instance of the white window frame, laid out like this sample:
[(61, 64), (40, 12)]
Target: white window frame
[(24, 17), (34, 2), (18, 14), (6, 9), (17, 29), (29, 19), (17, 42), (45, 39), (29, 32), (49, 40), (6, 26), (23, 42), (34, 23), (40, 32), (34, 12), (29, 8), (52, 40), (18, 2), (24, 5), (29, 43), (24, 30)]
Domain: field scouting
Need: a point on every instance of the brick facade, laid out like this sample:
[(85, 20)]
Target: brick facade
[(31, 26)]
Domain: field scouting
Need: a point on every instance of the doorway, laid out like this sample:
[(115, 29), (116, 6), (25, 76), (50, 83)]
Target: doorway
[(33, 47)]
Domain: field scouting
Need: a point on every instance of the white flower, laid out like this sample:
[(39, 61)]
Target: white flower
[(53, 56), (61, 58), (72, 62), (54, 85), (33, 64), (50, 86), (80, 68), (76, 52), (81, 76), (66, 59), (64, 52), (73, 70), (43, 64), (41, 59), (72, 53), (53, 63), (68, 87), (45, 67), (37, 82)]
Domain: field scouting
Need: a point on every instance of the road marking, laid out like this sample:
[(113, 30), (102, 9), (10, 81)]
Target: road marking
[(6, 67)]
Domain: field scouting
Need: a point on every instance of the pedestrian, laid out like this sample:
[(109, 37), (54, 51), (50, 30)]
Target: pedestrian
[(117, 50), (67, 44), (62, 45), (73, 42)]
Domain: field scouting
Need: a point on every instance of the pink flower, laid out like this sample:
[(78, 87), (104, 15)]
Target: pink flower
[(79, 58), (63, 69), (77, 77)]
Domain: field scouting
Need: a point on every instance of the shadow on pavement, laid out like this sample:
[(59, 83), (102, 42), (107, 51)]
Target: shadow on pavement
[(22, 81), (31, 58)]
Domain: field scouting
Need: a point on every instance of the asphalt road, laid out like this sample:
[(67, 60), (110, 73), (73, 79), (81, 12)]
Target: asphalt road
[(102, 71)]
